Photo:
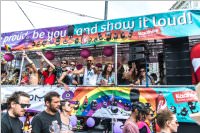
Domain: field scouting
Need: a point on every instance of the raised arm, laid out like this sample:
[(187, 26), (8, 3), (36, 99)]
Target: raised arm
[(60, 80), (78, 72), (45, 59), (30, 61), (95, 69)]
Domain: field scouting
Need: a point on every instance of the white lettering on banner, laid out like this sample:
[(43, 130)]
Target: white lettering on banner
[(152, 31), (119, 24), (185, 96), (18, 37), (36, 93)]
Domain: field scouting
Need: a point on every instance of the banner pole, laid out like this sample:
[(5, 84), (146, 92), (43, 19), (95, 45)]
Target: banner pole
[(21, 67), (116, 83)]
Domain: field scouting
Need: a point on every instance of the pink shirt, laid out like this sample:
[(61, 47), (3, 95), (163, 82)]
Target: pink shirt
[(142, 124), (130, 127)]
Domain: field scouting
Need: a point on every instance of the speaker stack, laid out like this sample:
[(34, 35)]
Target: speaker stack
[(161, 67), (137, 53), (177, 61)]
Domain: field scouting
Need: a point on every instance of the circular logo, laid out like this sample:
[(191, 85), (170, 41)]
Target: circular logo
[(68, 95)]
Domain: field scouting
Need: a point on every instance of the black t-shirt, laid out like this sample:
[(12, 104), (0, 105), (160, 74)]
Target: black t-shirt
[(58, 72), (10, 124), (42, 122), (143, 130)]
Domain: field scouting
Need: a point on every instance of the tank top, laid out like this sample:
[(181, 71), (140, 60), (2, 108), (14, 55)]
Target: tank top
[(89, 78)]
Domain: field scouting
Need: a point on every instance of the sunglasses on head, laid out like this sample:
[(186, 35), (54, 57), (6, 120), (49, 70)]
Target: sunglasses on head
[(24, 105)]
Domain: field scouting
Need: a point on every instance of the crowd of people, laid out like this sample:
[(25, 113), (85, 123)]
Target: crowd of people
[(44, 122), (66, 73), (56, 117), (143, 120)]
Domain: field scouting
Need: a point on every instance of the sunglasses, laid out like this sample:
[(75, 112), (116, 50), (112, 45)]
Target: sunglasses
[(151, 115), (89, 60), (72, 64), (63, 63), (24, 105)]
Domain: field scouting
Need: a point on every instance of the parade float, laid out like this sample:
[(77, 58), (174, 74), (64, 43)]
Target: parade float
[(161, 42)]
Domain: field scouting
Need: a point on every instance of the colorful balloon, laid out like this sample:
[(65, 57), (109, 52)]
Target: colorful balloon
[(108, 51), (98, 65), (8, 57), (118, 127), (79, 66), (73, 120), (49, 55), (85, 53), (90, 122)]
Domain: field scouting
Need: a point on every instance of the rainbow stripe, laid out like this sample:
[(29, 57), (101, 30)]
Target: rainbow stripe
[(106, 94), (7, 48)]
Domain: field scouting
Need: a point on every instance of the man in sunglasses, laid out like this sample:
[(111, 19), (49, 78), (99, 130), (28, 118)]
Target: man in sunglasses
[(72, 79), (16, 104), (89, 72), (58, 69), (43, 121)]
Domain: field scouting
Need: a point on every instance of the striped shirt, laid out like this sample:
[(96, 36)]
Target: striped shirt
[(130, 127)]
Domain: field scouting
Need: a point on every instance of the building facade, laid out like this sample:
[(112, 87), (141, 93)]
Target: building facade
[(186, 5)]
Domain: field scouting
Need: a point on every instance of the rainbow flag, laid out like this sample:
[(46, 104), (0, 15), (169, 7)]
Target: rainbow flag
[(7, 47)]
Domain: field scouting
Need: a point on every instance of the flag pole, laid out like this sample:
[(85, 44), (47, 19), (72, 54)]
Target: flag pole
[(21, 67)]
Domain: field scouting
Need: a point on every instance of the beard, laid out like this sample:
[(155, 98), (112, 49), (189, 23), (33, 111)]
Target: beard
[(16, 114), (52, 109), (89, 65)]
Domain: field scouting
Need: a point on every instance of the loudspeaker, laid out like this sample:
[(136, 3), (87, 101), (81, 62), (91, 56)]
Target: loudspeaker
[(134, 57), (137, 49), (70, 30), (176, 57), (136, 52), (161, 66)]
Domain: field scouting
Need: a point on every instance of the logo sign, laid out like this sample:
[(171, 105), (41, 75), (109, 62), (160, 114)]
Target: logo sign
[(185, 96)]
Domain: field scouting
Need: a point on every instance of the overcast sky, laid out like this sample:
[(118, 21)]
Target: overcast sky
[(12, 18)]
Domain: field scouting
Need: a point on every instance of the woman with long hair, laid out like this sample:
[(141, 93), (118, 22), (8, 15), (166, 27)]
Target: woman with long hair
[(65, 109), (48, 76), (107, 76), (143, 126)]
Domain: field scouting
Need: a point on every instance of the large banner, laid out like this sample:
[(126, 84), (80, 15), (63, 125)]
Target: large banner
[(115, 102), (149, 27)]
